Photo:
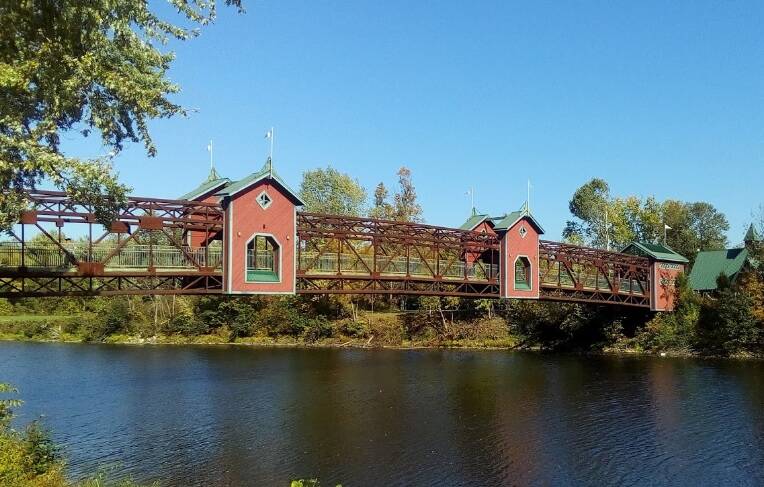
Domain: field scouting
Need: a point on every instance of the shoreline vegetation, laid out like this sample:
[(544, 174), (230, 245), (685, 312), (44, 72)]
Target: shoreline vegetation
[(725, 325)]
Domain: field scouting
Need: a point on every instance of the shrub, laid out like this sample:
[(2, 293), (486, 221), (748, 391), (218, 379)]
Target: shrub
[(354, 329), (317, 328), (186, 325), (675, 330)]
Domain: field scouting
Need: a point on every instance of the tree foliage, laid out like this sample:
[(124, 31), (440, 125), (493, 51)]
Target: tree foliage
[(599, 218), (330, 191), (83, 68), (382, 207), (404, 207), (727, 324)]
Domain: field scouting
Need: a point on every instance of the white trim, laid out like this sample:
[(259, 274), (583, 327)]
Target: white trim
[(531, 218), (262, 205), (538, 268), (514, 269), (230, 245), (478, 223), (295, 243), (261, 178), (504, 270), (264, 176), (212, 190), (279, 273)]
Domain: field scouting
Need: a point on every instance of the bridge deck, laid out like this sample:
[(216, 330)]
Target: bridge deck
[(144, 252)]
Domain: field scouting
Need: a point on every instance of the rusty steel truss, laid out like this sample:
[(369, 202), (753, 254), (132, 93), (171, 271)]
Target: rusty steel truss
[(350, 255), (582, 274), (141, 252), (145, 250)]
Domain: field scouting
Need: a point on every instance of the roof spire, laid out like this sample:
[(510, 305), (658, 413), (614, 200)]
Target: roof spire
[(213, 173)]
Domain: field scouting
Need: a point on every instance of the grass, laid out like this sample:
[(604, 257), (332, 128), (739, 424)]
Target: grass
[(34, 318)]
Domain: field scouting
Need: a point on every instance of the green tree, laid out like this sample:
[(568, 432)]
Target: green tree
[(589, 206), (82, 68), (381, 208), (599, 219), (727, 324), (330, 191), (405, 205), (675, 330), (7, 405)]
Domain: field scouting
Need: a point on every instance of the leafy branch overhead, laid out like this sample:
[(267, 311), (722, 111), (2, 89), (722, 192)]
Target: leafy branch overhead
[(85, 68)]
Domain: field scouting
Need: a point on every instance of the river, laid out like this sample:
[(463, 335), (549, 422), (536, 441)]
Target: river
[(213, 416)]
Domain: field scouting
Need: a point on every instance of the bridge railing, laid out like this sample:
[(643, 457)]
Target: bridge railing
[(594, 282), (62, 258), (327, 264), (576, 273)]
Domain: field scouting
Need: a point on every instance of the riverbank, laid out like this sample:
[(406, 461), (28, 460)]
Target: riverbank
[(376, 337), (509, 342)]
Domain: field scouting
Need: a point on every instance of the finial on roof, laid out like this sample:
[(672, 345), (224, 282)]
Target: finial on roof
[(474, 211), (213, 175)]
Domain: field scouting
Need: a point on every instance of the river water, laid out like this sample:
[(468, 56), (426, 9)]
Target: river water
[(255, 416)]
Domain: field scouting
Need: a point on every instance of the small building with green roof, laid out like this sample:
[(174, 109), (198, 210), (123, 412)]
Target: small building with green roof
[(665, 265), (259, 231), (518, 233), (655, 251), (207, 188), (710, 264)]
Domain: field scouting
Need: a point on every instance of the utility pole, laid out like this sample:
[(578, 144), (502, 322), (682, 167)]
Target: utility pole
[(607, 231)]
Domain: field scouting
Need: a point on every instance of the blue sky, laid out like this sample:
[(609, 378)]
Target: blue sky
[(658, 98)]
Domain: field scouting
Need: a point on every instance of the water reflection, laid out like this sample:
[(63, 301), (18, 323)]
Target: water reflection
[(244, 416)]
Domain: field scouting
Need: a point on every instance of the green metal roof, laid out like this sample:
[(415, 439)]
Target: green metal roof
[(655, 251), (710, 263), (511, 218), (501, 222), (267, 172), (477, 218), (474, 220), (214, 182)]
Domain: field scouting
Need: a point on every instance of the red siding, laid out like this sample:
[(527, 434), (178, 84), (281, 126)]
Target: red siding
[(197, 238), (513, 245), (485, 227), (246, 219), (663, 285)]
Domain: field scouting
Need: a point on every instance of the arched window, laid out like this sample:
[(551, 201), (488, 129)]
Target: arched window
[(523, 273), (263, 259)]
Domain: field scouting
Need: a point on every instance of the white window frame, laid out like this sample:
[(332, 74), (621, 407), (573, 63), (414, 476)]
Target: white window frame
[(264, 206), (280, 274), (530, 273)]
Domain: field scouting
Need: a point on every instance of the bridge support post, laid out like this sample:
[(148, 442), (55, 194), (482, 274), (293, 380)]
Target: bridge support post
[(519, 257), (260, 236)]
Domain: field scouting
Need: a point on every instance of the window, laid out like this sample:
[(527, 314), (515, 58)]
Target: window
[(523, 232), (263, 258), (264, 200), (522, 273)]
